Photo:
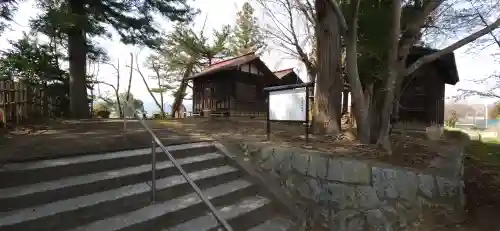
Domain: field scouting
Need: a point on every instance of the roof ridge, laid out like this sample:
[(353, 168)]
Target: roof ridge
[(233, 58), (287, 69)]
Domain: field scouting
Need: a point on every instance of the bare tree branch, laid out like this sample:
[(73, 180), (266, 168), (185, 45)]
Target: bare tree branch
[(493, 83), (451, 48), (484, 22), (467, 93), (116, 89), (105, 83), (130, 78), (308, 10), (108, 101), (145, 82), (411, 32), (156, 69), (284, 33)]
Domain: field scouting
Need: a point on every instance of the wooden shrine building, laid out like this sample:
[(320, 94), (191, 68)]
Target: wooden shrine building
[(234, 87), (423, 92)]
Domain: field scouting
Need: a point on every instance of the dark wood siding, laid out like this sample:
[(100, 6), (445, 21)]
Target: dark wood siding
[(211, 93), (232, 92), (422, 98)]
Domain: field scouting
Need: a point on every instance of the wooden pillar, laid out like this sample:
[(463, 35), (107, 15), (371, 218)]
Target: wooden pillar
[(195, 97)]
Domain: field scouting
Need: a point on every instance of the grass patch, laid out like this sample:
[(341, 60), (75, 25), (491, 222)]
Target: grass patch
[(485, 151), (170, 123)]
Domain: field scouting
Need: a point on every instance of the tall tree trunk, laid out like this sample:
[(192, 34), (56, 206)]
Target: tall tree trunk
[(368, 97), (376, 109), (131, 73), (329, 84), (77, 50), (117, 90), (159, 78), (181, 91), (146, 82), (393, 73), (359, 103), (158, 104)]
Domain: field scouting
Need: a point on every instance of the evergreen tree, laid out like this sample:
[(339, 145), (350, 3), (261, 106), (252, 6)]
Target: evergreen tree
[(53, 22), (187, 51), (164, 80), (35, 63), (7, 9), (184, 46), (31, 61), (78, 21), (248, 36)]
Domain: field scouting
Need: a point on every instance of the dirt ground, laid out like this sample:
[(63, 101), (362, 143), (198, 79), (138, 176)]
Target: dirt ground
[(482, 170), (65, 138), (410, 149)]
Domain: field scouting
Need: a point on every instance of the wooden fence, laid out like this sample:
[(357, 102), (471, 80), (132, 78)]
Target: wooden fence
[(22, 103)]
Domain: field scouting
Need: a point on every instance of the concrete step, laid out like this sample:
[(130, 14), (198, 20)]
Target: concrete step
[(112, 191), (239, 209), (275, 224), (72, 212), (14, 174), (69, 187), (172, 212)]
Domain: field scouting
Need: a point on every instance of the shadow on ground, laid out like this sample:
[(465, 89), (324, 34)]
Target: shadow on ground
[(66, 138)]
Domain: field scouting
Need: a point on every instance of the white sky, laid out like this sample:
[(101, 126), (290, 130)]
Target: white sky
[(470, 67)]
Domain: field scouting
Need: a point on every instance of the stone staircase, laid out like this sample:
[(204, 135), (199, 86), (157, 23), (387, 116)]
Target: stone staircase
[(111, 191)]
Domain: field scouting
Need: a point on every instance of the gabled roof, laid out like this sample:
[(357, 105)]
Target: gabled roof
[(281, 73), (288, 76), (445, 64), (227, 64)]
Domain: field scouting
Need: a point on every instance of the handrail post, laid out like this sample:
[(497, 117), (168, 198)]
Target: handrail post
[(185, 175), (153, 171)]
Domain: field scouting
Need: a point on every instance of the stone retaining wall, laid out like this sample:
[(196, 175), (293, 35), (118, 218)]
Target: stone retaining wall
[(366, 195)]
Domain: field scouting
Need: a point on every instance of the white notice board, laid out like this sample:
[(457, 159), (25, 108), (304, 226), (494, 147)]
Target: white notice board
[(288, 105)]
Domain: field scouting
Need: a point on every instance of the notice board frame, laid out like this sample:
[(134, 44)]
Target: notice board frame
[(267, 91)]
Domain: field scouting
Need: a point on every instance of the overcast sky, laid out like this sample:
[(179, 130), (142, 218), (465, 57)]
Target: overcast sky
[(470, 67)]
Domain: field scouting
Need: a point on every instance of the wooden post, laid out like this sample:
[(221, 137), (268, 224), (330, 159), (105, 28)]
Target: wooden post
[(2, 103), (22, 98), (3, 116), (307, 114), (16, 103), (268, 120), (345, 102), (9, 101), (44, 102)]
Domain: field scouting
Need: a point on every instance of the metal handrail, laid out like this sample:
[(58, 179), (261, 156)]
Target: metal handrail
[(205, 200)]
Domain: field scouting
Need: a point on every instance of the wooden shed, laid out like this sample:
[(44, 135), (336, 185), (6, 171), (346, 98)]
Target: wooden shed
[(233, 87), (422, 93)]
